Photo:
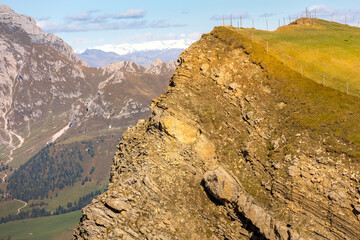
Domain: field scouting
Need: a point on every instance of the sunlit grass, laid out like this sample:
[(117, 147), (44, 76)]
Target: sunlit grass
[(324, 50), (42, 228)]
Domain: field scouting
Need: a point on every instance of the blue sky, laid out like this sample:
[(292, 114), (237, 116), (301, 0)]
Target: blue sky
[(91, 23)]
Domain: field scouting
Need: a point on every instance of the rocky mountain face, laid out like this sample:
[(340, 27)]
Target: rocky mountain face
[(157, 67), (227, 153), (99, 58), (48, 94)]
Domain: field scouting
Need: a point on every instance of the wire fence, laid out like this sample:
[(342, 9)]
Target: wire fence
[(306, 70)]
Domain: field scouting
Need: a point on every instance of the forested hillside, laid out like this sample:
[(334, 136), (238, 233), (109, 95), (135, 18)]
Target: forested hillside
[(49, 170)]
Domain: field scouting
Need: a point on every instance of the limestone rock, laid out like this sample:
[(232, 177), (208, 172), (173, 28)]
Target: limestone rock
[(183, 132), (221, 185), (117, 205), (223, 156)]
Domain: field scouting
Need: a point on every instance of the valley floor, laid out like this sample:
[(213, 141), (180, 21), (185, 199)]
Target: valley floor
[(43, 228)]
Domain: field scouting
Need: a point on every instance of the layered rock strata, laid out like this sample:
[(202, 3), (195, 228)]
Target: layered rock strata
[(223, 156)]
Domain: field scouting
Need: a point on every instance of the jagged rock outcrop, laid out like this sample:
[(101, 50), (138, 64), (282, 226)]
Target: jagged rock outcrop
[(225, 156), (99, 58), (24, 29), (227, 190), (159, 67), (43, 85)]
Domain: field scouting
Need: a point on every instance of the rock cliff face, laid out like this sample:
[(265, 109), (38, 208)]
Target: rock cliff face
[(225, 156), (43, 85), (23, 29)]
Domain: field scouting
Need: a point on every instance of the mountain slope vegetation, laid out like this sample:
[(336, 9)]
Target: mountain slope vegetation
[(326, 52), (240, 146), (51, 106)]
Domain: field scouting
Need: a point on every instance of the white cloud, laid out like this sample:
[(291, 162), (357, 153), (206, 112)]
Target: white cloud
[(86, 41), (149, 36), (131, 13), (320, 8), (53, 27), (89, 17), (338, 15)]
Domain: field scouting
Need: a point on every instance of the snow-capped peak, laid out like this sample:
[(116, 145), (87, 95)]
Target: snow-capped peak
[(126, 48)]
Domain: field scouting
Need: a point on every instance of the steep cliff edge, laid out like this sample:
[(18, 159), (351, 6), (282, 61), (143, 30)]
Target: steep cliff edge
[(239, 147)]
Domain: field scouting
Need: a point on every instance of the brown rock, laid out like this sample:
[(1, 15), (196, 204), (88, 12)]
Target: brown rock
[(221, 185), (117, 205), (183, 132)]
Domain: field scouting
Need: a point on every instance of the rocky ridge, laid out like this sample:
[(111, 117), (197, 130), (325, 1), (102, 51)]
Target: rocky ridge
[(15, 24), (157, 67), (224, 156), (43, 85), (99, 58)]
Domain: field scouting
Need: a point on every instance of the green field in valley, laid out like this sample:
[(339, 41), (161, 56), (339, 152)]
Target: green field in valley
[(43, 228), (9, 207)]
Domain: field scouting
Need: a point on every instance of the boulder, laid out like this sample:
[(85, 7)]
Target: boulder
[(221, 185)]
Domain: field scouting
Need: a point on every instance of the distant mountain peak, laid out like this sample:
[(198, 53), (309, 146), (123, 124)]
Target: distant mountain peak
[(124, 66), (99, 58), (17, 24), (157, 62), (5, 9), (127, 48)]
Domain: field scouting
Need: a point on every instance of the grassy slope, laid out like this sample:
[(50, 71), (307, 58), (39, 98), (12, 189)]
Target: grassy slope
[(72, 194), (9, 207), (323, 49), (324, 111), (41, 228)]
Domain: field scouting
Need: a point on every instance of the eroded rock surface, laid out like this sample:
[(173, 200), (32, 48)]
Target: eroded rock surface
[(223, 156), (43, 85)]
